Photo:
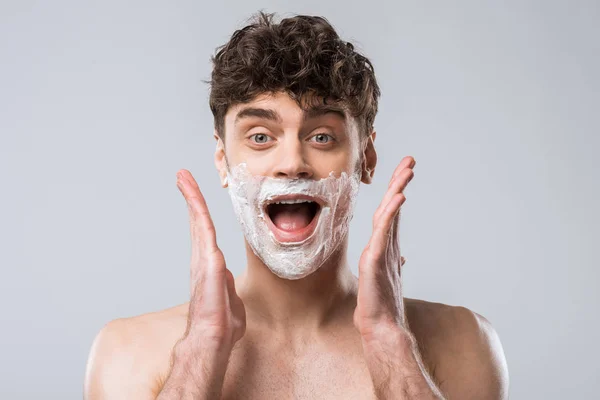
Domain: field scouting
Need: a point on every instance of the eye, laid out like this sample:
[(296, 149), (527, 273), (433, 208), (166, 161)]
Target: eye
[(259, 138), (322, 138)]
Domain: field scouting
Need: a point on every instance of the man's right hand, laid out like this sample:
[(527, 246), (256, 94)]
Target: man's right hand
[(217, 316)]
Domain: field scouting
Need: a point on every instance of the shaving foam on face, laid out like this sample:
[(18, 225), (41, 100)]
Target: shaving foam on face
[(250, 195)]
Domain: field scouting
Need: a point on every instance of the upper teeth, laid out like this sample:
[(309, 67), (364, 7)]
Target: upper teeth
[(293, 201)]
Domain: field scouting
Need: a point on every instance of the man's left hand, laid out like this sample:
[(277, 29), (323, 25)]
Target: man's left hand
[(380, 305)]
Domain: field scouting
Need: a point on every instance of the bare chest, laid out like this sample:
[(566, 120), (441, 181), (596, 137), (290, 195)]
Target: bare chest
[(325, 373)]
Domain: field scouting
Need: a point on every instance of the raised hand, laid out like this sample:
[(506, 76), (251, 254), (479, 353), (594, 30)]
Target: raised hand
[(217, 315), (380, 306)]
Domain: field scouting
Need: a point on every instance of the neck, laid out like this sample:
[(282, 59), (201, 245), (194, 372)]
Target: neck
[(302, 305)]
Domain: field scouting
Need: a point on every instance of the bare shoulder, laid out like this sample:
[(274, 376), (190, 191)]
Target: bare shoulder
[(129, 357), (461, 348)]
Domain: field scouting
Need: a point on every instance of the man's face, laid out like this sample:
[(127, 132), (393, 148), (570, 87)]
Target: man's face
[(293, 177), (276, 138)]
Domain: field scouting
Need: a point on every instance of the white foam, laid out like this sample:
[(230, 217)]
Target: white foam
[(293, 260)]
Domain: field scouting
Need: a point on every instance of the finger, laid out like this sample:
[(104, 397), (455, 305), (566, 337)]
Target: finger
[(403, 261), (201, 226), (397, 185), (398, 178), (234, 298), (407, 162), (382, 229), (393, 242), (230, 282), (399, 182)]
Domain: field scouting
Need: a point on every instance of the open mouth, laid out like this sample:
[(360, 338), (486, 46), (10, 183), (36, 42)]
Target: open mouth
[(292, 218)]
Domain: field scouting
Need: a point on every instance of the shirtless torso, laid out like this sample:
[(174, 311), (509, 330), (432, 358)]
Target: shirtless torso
[(130, 358)]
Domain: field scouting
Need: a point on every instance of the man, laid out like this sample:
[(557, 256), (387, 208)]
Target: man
[(294, 108)]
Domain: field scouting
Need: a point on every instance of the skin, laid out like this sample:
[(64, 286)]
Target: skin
[(329, 335)]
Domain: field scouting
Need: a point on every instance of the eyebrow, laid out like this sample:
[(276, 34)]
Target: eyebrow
[(264, 113), (320, 110), (272, 115)]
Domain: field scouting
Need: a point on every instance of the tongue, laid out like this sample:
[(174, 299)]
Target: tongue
[(291, 217)]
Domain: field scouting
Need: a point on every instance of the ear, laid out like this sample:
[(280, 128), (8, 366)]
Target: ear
[(220, 162), (369, 159)]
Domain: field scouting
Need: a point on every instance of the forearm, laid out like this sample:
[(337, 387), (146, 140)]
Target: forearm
[(397, 370), (196, 374)]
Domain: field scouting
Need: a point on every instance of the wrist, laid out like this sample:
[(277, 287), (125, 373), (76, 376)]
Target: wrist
[(194, 346), (396, 366), (390, 338), (207, 357), (197, 370)]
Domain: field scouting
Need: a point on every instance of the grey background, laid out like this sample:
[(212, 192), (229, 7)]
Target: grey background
[(101, 103)]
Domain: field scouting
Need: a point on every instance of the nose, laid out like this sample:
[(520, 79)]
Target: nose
[(292, 163)]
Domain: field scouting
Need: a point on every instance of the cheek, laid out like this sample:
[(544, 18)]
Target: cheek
[(256, 163), (337, 161)]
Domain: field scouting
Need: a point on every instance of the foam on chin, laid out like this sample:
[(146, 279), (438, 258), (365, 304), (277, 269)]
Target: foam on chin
[(293, 260)]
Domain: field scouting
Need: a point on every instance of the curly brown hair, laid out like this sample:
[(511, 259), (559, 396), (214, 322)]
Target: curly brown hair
[(303, 56)]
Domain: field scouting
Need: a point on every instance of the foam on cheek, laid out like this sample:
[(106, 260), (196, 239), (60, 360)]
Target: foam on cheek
[(249, 193)]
